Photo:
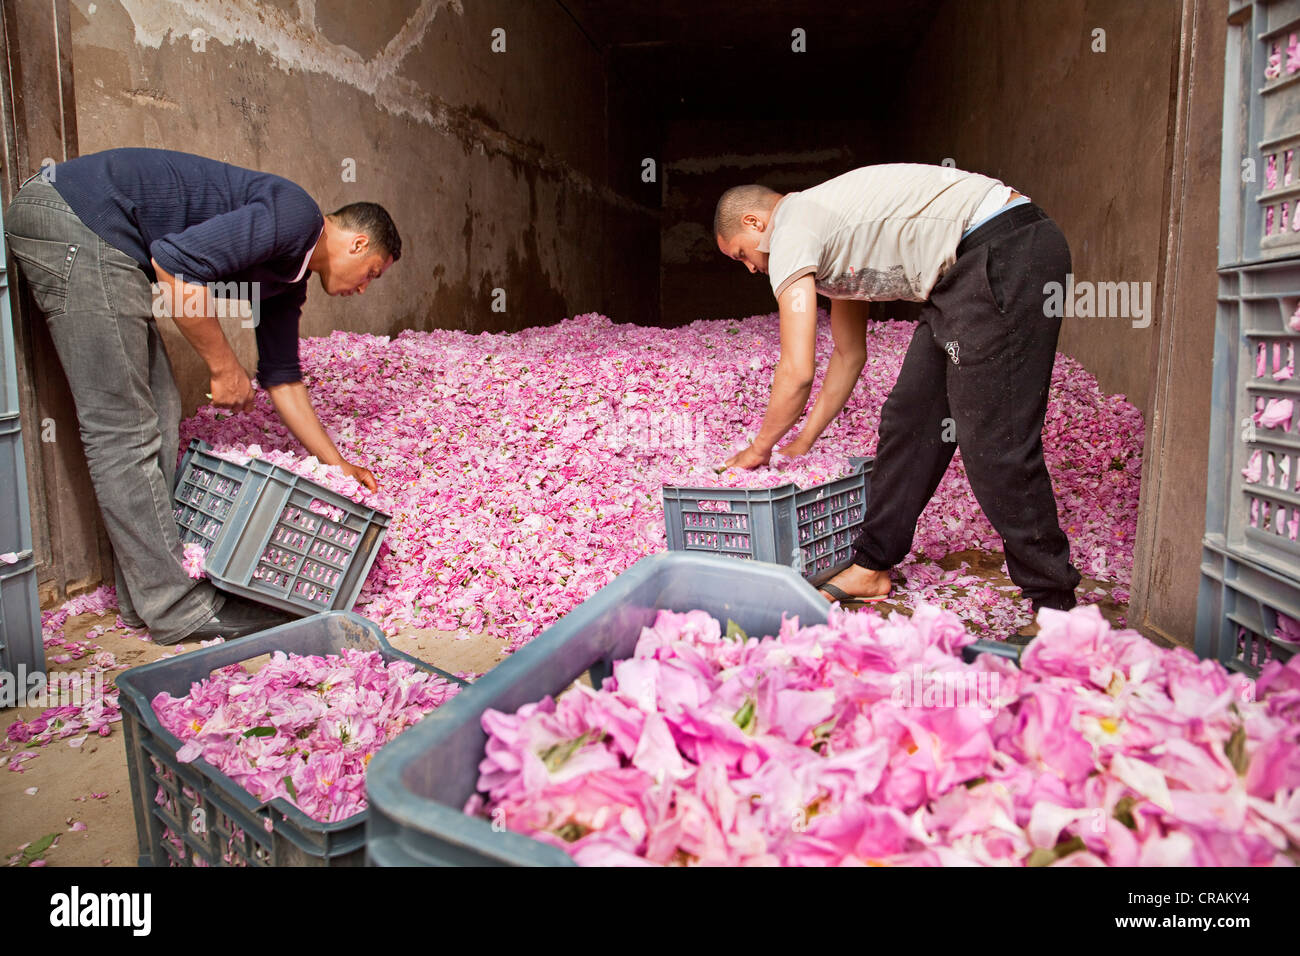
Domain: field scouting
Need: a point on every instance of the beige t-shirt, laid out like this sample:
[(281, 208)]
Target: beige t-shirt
[(879, 232)]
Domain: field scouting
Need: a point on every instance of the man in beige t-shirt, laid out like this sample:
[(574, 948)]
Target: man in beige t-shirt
[(978, 254)]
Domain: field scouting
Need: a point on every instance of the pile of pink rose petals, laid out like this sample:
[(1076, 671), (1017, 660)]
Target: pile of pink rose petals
[(867, 741), (303, 727), (86, 703), (523, 471)]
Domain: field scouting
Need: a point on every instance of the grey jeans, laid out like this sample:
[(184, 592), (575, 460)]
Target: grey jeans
[(98, 305)]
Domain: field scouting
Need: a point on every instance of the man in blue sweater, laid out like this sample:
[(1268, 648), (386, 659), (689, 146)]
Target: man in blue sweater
[(91, 236)]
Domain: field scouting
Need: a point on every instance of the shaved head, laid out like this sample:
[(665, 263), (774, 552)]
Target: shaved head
[(737, 202)]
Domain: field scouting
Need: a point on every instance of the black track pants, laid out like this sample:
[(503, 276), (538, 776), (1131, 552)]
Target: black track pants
[(981, 356)]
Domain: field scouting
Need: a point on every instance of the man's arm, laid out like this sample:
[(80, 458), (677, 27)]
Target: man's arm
[(230, 384), (280, 373), (293, 404), (231, 387), (849, 331), (793, 379)]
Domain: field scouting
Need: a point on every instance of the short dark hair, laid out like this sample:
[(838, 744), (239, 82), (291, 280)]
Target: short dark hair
[(373, 221), (736, 202)]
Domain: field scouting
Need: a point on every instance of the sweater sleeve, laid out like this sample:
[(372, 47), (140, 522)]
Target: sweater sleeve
[(229, 243), (277, 337)]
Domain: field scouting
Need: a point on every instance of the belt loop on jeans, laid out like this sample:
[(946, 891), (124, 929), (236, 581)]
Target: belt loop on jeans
[(1008, 221)]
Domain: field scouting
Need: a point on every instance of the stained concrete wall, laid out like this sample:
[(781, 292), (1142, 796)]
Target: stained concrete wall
[(702, 159), (1013, 89), (493, 164)]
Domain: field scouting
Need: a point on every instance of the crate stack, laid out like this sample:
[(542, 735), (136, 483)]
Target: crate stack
[(20, 613), (1248, 609)]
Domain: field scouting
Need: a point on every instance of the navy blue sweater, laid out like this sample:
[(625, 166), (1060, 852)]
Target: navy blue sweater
[(205, 221)]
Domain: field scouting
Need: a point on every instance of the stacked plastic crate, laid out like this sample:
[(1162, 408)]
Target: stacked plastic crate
[(20, 614), (1249, 604)]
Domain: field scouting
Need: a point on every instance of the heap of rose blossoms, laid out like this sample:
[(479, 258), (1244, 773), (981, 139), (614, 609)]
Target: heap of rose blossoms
[(523, 471), (868, 741), (86, 702), (303, 727)]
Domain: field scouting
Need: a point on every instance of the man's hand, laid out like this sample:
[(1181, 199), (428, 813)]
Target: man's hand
[(231, 388), (293, 404), (751, 457), (799, 445), (362, 475)]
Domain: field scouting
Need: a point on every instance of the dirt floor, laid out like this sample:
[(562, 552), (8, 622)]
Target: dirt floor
[(66, 786)]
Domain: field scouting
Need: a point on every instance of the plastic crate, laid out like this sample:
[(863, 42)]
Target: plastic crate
[(810, 530), (20, 619), (15, 518), (1237, 613), (418, 785), (8, 353), (219, 822), (265, 541), (1260, 199), (1256, 518)]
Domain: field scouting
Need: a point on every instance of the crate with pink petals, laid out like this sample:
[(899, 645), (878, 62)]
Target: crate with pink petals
[(1247, 616), (809, 529), (1260, 192), (1253, 492), (190, 813), (273, 536), (418, 785)]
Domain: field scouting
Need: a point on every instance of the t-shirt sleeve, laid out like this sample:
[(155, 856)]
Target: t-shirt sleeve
[(796, 252), (229, 243), (277, 337)]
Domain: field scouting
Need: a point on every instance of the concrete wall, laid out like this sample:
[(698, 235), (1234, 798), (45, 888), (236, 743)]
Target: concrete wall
[(702, 159), (1013, 89), (493, 164)]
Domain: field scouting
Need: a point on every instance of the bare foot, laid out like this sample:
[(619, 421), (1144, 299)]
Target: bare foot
[(860, 582)]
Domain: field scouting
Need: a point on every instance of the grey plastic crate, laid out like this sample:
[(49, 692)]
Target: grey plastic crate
[(1260, 192), (15, 519), (1237, 611), (810, 530), (232, 827), (263, 540), (418, 785), (8, 354), (1258, 521), (21, 645)]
